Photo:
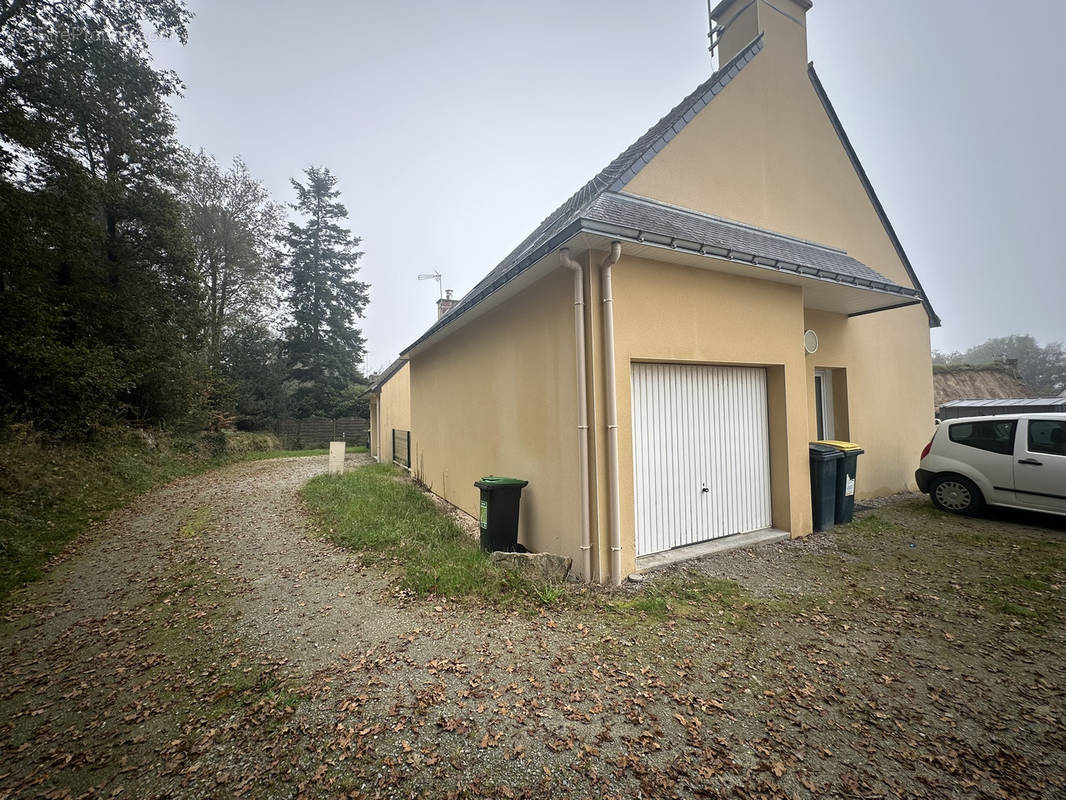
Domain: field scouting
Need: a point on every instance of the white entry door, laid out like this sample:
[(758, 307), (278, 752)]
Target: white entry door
[(701, 453)]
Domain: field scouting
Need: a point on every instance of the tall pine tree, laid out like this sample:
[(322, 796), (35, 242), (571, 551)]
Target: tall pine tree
[(322, 346)]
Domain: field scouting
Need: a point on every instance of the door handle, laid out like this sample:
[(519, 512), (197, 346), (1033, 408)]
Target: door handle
[(704, 490), (1031, 461)]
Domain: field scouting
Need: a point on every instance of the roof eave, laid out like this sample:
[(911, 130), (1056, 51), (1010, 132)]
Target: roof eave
[(711, 250), (901, 296), (386, 376), (459, 313), (838, 127)]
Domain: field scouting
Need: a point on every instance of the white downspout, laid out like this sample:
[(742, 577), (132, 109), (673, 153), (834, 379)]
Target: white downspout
[(377, 427), (614, 503), (582, 407)]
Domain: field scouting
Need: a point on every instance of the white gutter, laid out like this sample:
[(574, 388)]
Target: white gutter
[(614, 507), (582, 407)]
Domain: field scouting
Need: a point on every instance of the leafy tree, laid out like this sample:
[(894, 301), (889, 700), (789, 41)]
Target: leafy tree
[(256, 369), (1042, 368), (95, 265), (351, 403), (322, 346), (38, 35), (233, 225)]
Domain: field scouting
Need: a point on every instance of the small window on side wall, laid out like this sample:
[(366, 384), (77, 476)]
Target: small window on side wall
[(995, 436), (823, 404)]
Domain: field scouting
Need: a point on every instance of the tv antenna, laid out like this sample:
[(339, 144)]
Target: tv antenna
[(433, 276), (714, 34)]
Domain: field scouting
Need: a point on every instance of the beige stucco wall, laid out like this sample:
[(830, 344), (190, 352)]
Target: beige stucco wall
[(765, 153), (390, 409), (499, 397), (889, 390), (671, 313)]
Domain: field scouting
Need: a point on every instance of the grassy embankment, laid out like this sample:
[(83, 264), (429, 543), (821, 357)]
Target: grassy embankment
[(51, 491), (378, 513)]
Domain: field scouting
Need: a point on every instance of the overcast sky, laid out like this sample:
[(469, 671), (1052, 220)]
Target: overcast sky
[(455, 126)]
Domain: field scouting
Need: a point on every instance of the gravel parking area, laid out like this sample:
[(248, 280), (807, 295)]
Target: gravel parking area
[(208, 642)]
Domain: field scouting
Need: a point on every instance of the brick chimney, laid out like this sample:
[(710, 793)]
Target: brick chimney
[(446, 303), (783, 24)]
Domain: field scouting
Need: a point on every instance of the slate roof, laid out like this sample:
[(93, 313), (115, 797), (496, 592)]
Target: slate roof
[(613, 177), (600, 196), (696, 232), (383, 378)]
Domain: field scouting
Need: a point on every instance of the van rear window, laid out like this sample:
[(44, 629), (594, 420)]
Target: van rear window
[(996, 436)]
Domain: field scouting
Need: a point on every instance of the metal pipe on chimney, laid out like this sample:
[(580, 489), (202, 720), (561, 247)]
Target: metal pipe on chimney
[(582, 407)]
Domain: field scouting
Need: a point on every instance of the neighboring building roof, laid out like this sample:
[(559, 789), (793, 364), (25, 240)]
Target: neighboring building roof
[(690, 230), (934, 320), (976, 383), (567, 219), (1010, 402), (383, 378)]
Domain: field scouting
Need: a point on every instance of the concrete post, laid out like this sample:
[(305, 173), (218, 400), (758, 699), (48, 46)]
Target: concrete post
[(336, 458)]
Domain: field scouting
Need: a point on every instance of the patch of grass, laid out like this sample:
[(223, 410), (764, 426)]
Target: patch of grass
[(390, 522), (692, 595), (873, 525), (51, 491), (549, 593), (199, 522), (199, 599), (1029, 582), (1015, 610)]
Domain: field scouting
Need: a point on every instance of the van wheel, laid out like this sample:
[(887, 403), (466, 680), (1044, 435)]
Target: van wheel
[(957, 495)]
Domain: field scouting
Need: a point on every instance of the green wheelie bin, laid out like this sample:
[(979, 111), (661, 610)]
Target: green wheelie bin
[(499, 513)]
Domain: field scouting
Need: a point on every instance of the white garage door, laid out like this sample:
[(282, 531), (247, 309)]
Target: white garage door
[(701, 449)]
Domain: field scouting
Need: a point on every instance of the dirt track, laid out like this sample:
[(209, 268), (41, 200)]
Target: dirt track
[(204, 642)]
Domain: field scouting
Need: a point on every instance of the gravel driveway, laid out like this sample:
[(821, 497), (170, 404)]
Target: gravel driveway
[(206, 642)]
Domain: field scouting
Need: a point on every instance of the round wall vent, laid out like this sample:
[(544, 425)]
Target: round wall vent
[(810, 342)]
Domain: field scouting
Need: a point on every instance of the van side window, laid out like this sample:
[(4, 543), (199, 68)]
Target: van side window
[(1047, 436), (996, 436)]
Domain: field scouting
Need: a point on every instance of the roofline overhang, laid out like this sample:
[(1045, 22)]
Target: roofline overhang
[(390, 372), (447, 323), (537, 263), (739, 257), (864, 179)]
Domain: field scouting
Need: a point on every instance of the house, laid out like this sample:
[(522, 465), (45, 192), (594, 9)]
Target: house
[(390, 405), (390, 413), (656, 355), (977, 382)]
